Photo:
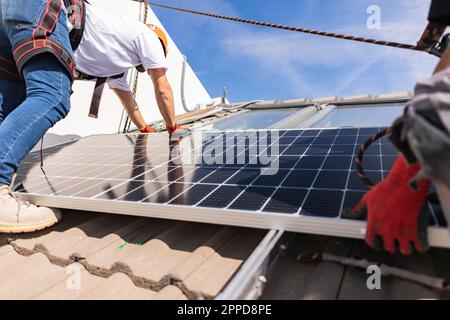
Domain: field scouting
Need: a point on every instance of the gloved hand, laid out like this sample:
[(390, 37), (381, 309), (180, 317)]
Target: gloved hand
[(396, 211), (177, 132), (147, 129)]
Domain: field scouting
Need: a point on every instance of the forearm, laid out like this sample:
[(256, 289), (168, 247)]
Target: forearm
[(164, 95), (164, 98), (131, 107)]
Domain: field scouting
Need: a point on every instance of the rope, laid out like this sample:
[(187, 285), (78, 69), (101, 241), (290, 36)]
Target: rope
[(296, 29), (362, 150)]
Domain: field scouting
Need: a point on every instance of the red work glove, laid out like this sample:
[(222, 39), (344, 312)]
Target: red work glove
[(177, 132), (396, 211), (147, 129), (172, 130)]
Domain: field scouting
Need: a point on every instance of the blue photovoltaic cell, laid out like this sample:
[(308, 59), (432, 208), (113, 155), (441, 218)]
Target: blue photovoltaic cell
[(352, 198), (286, 201), (323, 203), (310, 133), (371, 163), (288, 162), (295, 150), (328, 132), (348, 132), (222, 197), (244, 177), (315, 172), (388, 162), (337, 162), (372, 151), (198, 174), (304, 140), (356, 183), (253, 198), (219, 176), (272, 180), (331, 179), (342, 150), (286, 140), (345, 140), (194, 195), (310, 162), (300, 178), (368, 131), (318, 150), (139, 194), (362, 139), (324, 140), (168, 193)]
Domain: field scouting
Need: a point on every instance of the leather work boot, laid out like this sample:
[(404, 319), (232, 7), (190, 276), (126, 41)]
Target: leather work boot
[(18, 216)]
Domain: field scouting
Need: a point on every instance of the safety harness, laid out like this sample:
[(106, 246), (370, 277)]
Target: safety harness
[(11, 65), (39, 41)]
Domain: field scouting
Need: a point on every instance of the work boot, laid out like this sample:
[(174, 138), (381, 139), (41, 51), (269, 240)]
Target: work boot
[(18, 216)]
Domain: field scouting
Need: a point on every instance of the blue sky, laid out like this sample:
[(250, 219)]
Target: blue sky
[(260, 63)]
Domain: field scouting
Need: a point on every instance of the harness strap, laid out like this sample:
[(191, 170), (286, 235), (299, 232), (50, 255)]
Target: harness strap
[(39, 42), (27, 49), (49, 20), (76, 10), (84, 76), (98, 90), (97, 97)]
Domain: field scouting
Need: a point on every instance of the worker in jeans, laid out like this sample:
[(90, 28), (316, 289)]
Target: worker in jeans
[(35, 36), (396, 208)]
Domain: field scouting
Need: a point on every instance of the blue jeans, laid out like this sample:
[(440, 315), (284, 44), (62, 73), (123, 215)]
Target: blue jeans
[(29, 108)]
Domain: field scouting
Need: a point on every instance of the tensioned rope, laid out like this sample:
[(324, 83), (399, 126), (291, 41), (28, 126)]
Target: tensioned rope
[(296, 29)]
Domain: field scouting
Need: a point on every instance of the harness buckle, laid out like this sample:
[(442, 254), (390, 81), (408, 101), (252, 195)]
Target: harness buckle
[(439, 48)]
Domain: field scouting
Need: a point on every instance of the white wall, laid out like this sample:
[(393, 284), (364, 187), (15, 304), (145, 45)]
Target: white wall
[(78, 122)]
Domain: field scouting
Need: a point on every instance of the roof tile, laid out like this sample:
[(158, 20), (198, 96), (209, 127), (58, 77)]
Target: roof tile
[(123, 257)]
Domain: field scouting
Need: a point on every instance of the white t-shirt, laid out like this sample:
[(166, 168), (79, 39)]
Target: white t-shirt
[(111, 46)]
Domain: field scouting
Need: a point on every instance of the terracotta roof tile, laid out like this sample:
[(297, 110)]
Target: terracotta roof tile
[(124, 257)]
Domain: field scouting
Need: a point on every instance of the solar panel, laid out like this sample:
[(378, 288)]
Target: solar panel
[(294, 180)]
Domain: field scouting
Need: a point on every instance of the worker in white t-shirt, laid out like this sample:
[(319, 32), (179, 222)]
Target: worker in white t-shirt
[(111, 46)]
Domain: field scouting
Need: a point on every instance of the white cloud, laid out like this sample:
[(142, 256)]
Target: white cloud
[(290, 57), (306, 65)]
